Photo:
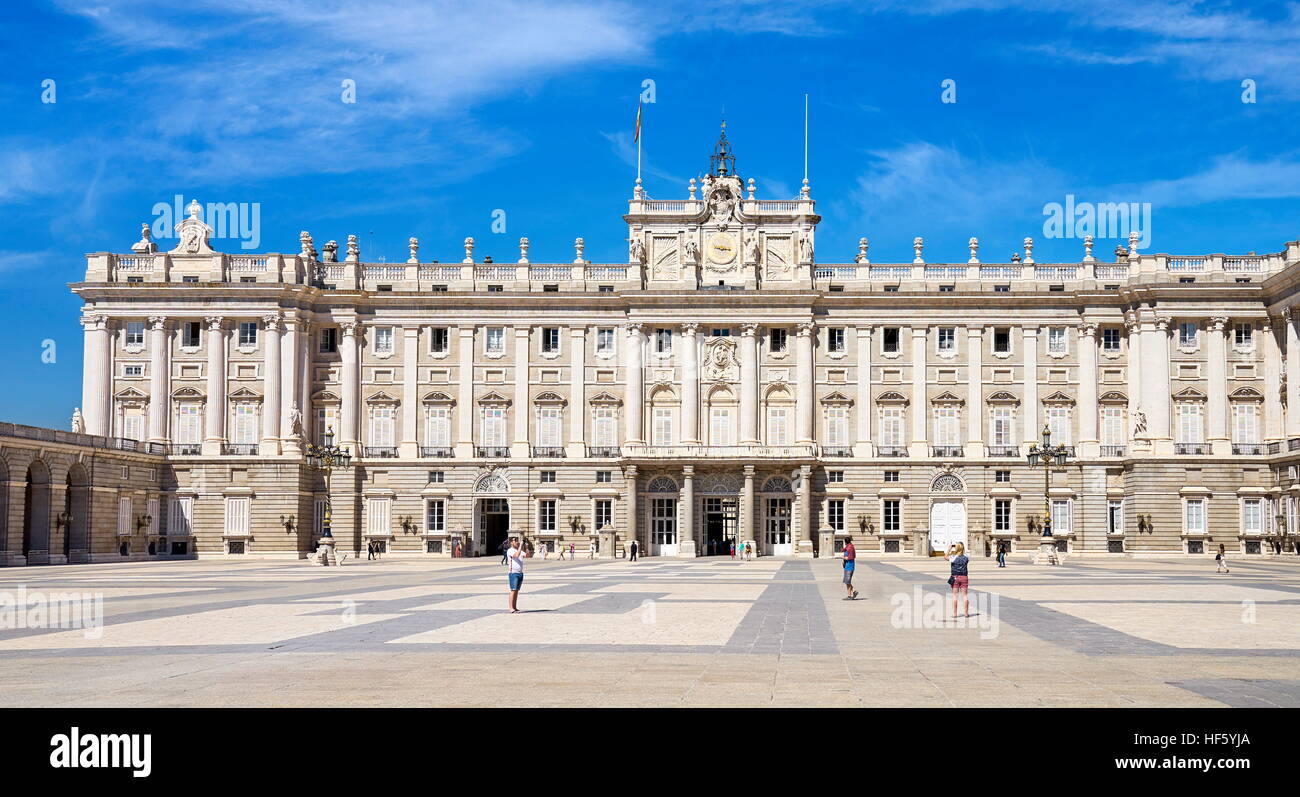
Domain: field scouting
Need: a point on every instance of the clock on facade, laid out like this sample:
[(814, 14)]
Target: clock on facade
[(722, 248)]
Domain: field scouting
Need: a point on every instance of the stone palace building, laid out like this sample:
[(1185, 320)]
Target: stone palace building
[(724, 383)]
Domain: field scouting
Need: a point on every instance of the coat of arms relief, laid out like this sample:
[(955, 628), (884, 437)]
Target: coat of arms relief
[(720, 363)]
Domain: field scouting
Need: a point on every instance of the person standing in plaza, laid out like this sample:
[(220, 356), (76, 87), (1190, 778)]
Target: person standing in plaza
[(542, 549), (561, 551), (733, 549), (591, 550), (505, 550), (1222, 559), (573, 551), (515, 577), (1002, 553), (959, 577), (632, 551), (850, 557)]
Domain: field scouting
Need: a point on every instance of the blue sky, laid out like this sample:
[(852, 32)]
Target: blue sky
[(465, 108)]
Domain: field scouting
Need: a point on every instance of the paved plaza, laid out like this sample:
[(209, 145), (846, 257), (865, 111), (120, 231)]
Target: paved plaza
[(661, 632)]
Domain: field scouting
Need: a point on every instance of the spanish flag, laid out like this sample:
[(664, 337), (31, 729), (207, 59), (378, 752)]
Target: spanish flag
[(636, 136)]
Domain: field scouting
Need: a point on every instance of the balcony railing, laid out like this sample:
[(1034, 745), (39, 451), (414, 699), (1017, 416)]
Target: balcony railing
[(1114, 451), (604, 452), (379, 452), (1191, 448), (837, 451), (892, 451), (1004, 451), (1275, 448), (239, 449), (548, 451), (185, 449), (491, 451), (1248, 448), (1293, 444), (947, 451), (733, 452), (437, 452)]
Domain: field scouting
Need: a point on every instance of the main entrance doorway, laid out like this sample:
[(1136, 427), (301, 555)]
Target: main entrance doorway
[(663, 527), (493, 525), (776, 528), (721, 519), (947, 524)]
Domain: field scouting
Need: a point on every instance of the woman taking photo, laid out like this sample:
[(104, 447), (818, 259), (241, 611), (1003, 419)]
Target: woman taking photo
[(959, 577)]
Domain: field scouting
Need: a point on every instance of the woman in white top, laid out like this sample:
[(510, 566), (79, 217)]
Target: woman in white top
[(591, 550)]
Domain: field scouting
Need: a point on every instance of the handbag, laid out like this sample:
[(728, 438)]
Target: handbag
[(951, 579)]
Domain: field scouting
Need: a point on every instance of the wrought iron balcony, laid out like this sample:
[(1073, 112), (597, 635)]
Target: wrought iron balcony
[(892, 451), (1004, 451), (1248, 448), (491, 451), (1275, 448), (548, 451), (1191, 448), (1114, 451), (185, 449), (743, 452), (837, 451), (437, 452), (947, 451), (604, 452), (239, 449), (1293, 444), (379, 452)]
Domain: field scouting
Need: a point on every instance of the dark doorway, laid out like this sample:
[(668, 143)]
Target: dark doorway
[(720, 523), (494, 524), (76, 536), (36, 515)]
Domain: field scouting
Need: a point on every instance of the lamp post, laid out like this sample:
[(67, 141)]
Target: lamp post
[(1045, 456), (327, 457)]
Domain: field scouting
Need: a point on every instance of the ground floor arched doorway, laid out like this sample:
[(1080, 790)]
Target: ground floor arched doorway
[(947, 524), (493, 525), (36, 514)]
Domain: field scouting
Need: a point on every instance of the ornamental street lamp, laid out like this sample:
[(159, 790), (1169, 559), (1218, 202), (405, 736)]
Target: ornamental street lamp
[(1046, 456), (327, 458)]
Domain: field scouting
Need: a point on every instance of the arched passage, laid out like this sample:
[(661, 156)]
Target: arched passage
[(36, 514), (76, 505)]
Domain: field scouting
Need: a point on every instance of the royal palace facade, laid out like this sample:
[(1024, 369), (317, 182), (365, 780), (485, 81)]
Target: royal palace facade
[(723, 384)]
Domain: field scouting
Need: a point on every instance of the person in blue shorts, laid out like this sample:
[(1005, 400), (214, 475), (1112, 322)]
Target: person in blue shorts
[(850, 562), (515, 558)]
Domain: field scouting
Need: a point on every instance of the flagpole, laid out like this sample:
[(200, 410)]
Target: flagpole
[(805, 137)]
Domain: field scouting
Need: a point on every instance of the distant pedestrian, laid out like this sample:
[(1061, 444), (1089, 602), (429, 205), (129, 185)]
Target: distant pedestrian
[(1002, 553), (591, 550), (370, 550), (959, 579), (850, 557), (632, 549), (505, 551), (573, 551), (733, 549), (561, 549), (515, 577), (749, 551), (1222, 559), (543, 550)]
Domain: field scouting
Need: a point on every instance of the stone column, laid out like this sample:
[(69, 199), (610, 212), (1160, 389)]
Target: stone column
[(465, 398), (1089, 443), (350, 388), (1272, 356), (746, 531), (271, 377), (1033, 413), (96, 376), (215, 419), (578, 412), (634, 382), (1133, 361), (159, 379), (749, 384), (1292, 374), (290, 373), (1155, 338), (920, 400), (633, 524), (690, 385), (523, 407), (864, 407), (974, 391), (1216, 370), (410, 443), (803, 547), (686, 539), (804, 373)]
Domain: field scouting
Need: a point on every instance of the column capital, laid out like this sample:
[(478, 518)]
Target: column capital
[(865, 330), (749, 472), (1088, 329), (807, 329), (1218, 323), (1287, 315), (411, 331), (1029, 331), (974, 331), (349, 328), (920, 331), (633, 329), (522, 330), (689, 329), (157, 322), (94, 323), (578, 331), (748, 330), (688, 471), (465, 330), (629, 471), (214, 322), (272, 321), (1162, 323)]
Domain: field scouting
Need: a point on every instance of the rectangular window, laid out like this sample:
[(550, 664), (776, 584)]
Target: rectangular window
[(604, 427), (1002, 515), (133, 425), (383, 340), (837, 426), (1058, 423), (237, 516), (1110, 339), (891, 476), (245, 426), (437, 426), (663, 426), (777, 340), (439, 340), (1001, 426), (549, 427), (835, 514), (181, 519), (947, 426), (189, 423), (1115, 517), (834, 477), (720, 332), (1001, 340), (1194, 515), (135, 333), (247, 333), (604, 513), (495, 340), (892, 516), (604, 477), (1245, 423), (1252, 516), (437, 477), (891, 426), (663, 341), (604, 341), (1112, 426), (778, 426), (1056, 340), (382, 419), (546, 476), (550, 340), (190, 334), (494, 427), (835, 339), (663, 521), (1062, 516), (1190, 428), (1243, 336), (124, 511), (327, 420), (378, 517), (1002, 476), (889, 340), (947, 339), (435, 516), (1187, 335), (720, 427), (329, 340), (546, 516)]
